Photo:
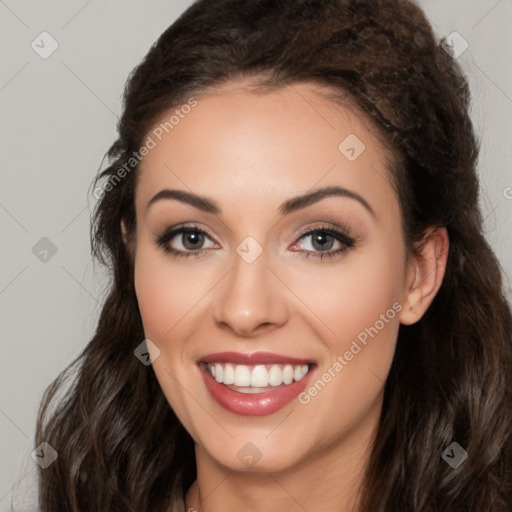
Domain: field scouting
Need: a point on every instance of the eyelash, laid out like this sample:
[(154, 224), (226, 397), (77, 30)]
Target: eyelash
[(340, 235)]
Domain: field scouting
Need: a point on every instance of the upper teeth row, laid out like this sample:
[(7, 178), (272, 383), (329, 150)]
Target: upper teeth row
[(259, 376)]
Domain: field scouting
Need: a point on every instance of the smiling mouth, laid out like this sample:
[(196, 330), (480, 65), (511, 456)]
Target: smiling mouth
[(259, 378), (255, 384)]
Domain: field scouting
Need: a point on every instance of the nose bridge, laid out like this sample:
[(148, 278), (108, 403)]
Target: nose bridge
[(250, 296)]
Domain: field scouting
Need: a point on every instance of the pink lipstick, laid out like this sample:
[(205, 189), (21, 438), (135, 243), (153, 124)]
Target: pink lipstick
[(254, 384)]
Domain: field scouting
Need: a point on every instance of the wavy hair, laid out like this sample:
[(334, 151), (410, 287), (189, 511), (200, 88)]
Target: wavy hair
[(121, 447)]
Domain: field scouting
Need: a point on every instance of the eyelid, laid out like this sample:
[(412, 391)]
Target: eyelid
[(338, 229)]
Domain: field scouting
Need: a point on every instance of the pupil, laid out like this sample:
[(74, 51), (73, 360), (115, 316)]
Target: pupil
[(317, 239), (192, 236)]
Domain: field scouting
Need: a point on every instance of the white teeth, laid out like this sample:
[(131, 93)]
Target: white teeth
[(219, 372), (258, 376), (288, 374), (229, 374), (275, 376), (242, 375)]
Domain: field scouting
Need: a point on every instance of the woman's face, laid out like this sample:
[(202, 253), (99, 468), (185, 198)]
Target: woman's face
[(247, 279)]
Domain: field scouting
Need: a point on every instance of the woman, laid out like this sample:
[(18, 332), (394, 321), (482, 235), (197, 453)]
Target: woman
[(304, 313)]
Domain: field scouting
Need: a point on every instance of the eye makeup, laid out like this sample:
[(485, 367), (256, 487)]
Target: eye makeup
[(326, 233)]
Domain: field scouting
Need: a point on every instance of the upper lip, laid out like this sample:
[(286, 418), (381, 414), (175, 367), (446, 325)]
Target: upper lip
[(252, 358)]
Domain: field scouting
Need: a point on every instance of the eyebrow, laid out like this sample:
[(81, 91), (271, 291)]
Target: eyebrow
[(289, 206)]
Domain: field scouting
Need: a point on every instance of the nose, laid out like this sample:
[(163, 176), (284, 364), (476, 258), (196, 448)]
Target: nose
[(251, 300)]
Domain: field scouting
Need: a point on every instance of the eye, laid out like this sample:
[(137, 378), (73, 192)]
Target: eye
[(191, 239), (324, 238)]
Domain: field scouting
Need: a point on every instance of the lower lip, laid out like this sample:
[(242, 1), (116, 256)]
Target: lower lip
[(253, 404)]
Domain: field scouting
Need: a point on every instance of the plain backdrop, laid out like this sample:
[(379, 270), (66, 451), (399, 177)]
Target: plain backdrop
[(57, 119)]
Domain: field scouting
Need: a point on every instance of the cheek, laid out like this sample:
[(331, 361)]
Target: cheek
[(166, 291), (166, 295), (153, 293), (359, 307), (351, 295)]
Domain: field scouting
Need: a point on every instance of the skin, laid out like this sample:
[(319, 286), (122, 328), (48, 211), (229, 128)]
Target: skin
[(249, 153)]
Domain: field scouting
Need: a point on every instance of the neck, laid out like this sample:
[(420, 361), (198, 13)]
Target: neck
[(328, 479)]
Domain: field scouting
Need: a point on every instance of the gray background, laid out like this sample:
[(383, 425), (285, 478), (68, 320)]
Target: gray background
[(58, 118)]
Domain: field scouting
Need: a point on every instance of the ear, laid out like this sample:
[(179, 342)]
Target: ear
[(129, 241), (124, 232), (425, 274)]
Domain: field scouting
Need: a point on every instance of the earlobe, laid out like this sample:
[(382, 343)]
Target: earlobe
[(426, 273)]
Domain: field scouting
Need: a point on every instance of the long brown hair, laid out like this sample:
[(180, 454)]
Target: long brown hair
[(121, 447)]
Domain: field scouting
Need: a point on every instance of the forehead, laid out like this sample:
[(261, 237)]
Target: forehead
[(239, 143)]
